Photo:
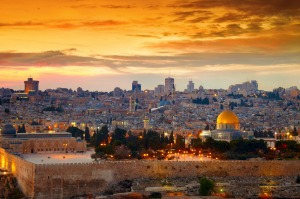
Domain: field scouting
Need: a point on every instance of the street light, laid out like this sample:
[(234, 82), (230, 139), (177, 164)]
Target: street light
[(65, 146)]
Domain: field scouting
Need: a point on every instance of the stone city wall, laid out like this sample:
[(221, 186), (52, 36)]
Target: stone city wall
[(67, 180), (24, 171)]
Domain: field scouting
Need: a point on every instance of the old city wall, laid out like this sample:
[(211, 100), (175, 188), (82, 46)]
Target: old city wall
[(66, 180), (24, 171)]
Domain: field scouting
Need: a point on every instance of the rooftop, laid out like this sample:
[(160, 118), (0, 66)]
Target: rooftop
[(59, 158)]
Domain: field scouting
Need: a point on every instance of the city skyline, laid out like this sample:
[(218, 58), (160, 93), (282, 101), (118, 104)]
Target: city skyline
[(99, 45)]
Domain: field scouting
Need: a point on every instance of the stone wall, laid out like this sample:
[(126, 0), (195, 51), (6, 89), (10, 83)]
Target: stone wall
[(67, 180), (24, 171)]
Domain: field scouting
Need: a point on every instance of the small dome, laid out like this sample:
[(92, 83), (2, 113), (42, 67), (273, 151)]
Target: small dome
[(164, 103), (228, 117), (8, 129)]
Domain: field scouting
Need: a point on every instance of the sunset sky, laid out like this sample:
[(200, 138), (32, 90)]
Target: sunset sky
[(103, 44)]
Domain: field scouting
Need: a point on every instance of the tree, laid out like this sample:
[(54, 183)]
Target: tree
[(119, 136), (295, 132), (162, 138), (206, 127), (171, 138), (206, 187), (209, 143), (105, 149), (134, 143), (221, 106), (196, 143), (122, 152), (100, 136), (180, 142), (298, 179), (145, 140), (87, 134), (221, 146), (19, 129), (205, 101), (22, 129), (286, 145), (76, 132), (156, 195), (153, 139)]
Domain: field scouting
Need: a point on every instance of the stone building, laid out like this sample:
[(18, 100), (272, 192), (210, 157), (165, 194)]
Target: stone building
[(228, 127), (22, 143)]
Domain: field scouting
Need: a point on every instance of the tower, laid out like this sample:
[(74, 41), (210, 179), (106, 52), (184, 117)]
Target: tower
[(146, 122), (169, 86), (133, 102), (31, 85), (190, 86), (136, 87)]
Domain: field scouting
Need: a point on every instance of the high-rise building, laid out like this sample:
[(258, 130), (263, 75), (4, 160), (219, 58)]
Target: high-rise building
[(190, 86), (136, 87), (159, 90), (31, 85), (245, 88), (169, 86)]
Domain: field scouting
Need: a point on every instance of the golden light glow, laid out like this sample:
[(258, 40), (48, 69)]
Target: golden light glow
[(3, 162), (227, 117), (13, 167)]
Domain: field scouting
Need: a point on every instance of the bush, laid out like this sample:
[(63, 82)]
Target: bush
[(155, 195), (298, 179), (206, 187)]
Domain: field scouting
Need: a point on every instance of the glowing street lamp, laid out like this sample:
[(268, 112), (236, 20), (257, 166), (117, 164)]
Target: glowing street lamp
[(65, 146)]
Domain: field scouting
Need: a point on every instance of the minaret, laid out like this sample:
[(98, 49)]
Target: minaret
[(131, 104), (146, 122)]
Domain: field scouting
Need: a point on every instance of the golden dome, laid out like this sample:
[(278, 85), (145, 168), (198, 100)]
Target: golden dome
[(228, 117)]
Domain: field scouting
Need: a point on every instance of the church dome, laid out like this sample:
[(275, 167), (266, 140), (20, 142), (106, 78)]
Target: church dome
[(228, 117), (164, 103), (8, 129)]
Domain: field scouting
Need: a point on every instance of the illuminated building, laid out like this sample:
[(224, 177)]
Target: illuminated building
[(228, 127), (245, 88), (31, 85), (22, 143), (169, 86)]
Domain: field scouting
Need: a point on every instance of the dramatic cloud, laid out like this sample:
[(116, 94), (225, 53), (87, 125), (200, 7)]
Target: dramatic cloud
[(50, 58), (68, 25), (214, 41), (16, 24), (268, 44)]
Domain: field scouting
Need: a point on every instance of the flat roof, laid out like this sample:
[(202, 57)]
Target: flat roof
[(85, 157), (59, 157)]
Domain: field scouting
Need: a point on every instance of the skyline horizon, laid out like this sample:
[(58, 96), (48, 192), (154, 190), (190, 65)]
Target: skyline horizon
[(130, 84)]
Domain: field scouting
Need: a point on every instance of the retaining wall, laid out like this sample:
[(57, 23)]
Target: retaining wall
[(66, 180), (24, 171)]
